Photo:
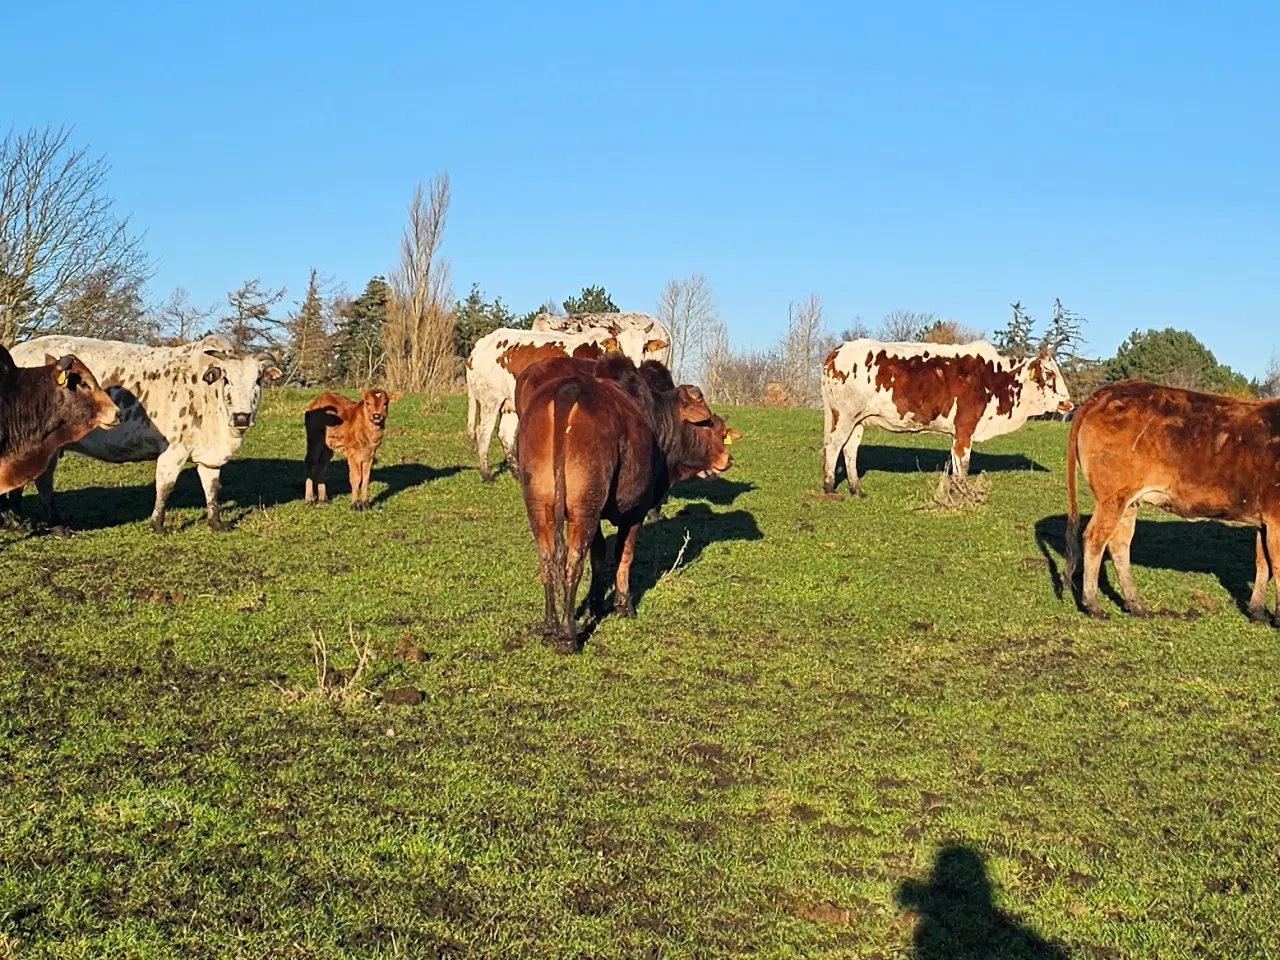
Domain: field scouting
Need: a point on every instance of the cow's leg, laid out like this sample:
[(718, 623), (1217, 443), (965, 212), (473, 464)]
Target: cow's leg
[(599, 574), (211, 480), (508, 423), (542, 523), (578, 538), (1261, 577), (323, 456), (366, 468), (1273, 558), (961, 451), (1119, 547), (354, 475), (622, 605), (851, 461), (837, 431), (1106, 515), (168, 466), (484, 435), (11, 513)]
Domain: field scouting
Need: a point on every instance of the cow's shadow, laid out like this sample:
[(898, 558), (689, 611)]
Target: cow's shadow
[(661, 544), (247, 483), (1201, 546), (891, 459), (716, 490)]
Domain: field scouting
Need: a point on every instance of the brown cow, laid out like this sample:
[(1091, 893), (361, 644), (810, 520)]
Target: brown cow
[(41, 410), (1197, 455), (335, 422), (588, 449)]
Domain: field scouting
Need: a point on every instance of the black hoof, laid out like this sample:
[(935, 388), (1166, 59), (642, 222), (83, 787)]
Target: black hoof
[(1262, 615), (828, 487), (1138, 610), (857, 492), (60, 531), (623, 607), (218, 525), (486, 478), (1097, 613)]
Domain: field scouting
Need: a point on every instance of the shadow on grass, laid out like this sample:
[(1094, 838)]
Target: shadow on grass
[(715, 490), (956, 915), (659, 545), (1202, 546), (247, 482), (888, 459)]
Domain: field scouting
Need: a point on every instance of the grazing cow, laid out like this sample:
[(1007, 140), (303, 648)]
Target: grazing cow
[(589, 449), (657, 347), (334, 423), (500, 357), (193, 402), (1197, 455), (41, 410), (969, 392)]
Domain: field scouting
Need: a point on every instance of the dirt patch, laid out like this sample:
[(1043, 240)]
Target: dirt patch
[(406, 650), (404, 697), (804, 813), (715, 761), (922, 626)]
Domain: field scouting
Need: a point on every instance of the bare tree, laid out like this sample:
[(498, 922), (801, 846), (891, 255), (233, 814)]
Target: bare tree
[(950, 331), (108, 305), (177, 320), (733, 377), (57, 231), (1269, 389), (418, 335), (687, 309), (806, 342), (905, 326), (857, 330)]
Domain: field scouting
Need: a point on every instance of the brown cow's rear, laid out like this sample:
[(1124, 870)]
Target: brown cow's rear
[(335, 422), (587, 449), (1197, 455)]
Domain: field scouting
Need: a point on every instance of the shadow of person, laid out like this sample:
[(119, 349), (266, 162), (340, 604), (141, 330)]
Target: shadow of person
[(957, 919)]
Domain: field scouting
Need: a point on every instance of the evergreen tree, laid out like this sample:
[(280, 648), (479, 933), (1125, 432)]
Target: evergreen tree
[(1014, 339), (477, 318), (310, 349), (250, 325), (591, 300), (1174, 358), (358, 352), (1063, 338)]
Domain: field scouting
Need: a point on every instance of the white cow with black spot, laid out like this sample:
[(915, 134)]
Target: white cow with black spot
[(192, 402)]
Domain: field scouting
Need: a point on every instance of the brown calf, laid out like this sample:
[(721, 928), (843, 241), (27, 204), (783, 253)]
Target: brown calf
[(335, 422), (42, 409), (1197, 455), (588, 449)]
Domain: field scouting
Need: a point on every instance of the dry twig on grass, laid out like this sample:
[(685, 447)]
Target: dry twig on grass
[(333, 685)]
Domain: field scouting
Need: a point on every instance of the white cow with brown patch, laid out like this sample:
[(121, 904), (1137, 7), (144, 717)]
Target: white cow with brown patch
[(499, 358), (192, 402), (966, 391), (657, 347)]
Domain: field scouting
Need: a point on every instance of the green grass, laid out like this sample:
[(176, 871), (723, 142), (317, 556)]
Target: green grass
[(825, 700)]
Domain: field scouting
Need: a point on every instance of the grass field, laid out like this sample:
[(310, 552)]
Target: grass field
[(840, 728)]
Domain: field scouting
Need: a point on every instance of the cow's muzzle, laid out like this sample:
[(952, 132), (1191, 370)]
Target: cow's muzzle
[(1066, 406), (378, 419), (242, 421)]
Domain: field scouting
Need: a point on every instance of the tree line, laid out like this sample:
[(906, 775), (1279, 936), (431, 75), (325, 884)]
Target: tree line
[(69, 263)]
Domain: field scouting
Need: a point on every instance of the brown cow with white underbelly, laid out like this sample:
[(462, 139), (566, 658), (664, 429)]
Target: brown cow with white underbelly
[(1197, 455), (500, 357), (967, 391)]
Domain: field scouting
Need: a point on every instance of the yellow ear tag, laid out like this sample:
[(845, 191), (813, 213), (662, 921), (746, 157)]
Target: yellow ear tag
[(610, 345), (727, 440), (62, 378)]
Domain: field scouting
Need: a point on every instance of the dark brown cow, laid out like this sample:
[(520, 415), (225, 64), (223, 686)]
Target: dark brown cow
[(42, 409), (335, 422), (588, 449), (1197, 455)]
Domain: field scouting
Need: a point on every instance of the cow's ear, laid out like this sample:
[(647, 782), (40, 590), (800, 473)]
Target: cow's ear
[(610, 345), (653, 346), (394, 397), (690, 406), (212, 375), (50, 359), (273, 373)]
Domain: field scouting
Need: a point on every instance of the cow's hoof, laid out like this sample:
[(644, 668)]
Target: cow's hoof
[(486, 478), (1262, 615), (857, 492), (623, 607), (1137, 610), (218, 525), (11, 521), (1097, 613), (59, 530), (828, 488), (158, 527)]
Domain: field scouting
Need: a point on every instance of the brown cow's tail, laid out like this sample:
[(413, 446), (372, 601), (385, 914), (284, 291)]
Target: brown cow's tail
[(1072, 553), (563, 401)]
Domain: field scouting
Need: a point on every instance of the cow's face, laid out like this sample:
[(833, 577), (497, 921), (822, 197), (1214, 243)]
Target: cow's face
[(77, 396), (1047, 385), (713, 439), (238, 382), (377, 403)]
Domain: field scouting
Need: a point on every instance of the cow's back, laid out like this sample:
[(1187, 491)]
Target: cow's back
[(1200, 455)]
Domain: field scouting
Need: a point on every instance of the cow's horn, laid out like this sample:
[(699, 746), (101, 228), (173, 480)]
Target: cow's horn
[(218, 354), (65, 362)]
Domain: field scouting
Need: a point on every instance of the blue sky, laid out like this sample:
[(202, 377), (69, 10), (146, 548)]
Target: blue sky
[(932, 156)]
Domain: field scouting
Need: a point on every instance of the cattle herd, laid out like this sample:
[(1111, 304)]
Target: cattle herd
[(593, 425)]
